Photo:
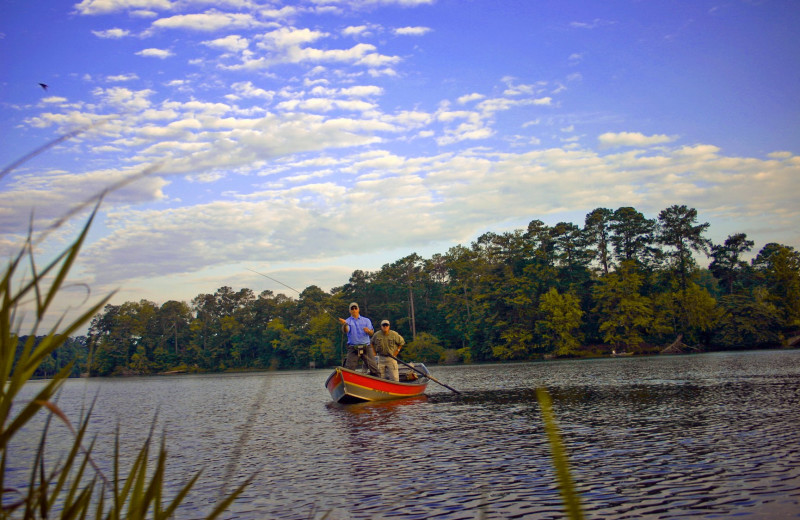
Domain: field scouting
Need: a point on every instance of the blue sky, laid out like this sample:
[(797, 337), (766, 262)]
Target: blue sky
[(308, 139)]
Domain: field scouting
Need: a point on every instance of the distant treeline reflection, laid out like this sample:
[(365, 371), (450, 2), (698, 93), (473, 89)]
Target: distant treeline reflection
[(621, 282)]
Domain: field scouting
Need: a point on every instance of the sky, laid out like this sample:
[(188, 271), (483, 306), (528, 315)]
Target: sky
[(308, 139)]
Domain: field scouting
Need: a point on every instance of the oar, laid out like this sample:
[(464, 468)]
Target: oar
[(424, 374)]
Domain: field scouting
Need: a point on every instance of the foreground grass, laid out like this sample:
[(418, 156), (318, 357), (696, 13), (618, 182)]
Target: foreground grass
[(72, 486), (558, 453)]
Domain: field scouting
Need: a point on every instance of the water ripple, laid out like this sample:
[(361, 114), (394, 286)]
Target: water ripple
[(706, 436)]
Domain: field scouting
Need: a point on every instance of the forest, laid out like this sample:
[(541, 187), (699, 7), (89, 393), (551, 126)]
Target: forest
[(620, 282)]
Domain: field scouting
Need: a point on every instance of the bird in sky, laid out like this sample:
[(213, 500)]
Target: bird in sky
[(43, 85)]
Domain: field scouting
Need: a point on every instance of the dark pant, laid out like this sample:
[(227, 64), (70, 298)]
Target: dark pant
[(364, 352)]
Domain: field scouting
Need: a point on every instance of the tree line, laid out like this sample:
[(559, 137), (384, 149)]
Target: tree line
[(621, 282)]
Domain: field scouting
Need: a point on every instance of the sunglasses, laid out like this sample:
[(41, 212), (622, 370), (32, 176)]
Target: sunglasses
[(385, 325), (354, 308)]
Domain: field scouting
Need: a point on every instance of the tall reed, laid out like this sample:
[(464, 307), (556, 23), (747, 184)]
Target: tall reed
[(558, 453), (73, 486)]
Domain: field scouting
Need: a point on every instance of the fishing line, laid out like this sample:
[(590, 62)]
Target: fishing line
[(276, 281), (341, 347)]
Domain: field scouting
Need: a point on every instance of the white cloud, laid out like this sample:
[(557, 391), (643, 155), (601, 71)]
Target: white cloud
[(155, 53), (456, 194), (612, 139), (594, 24), (386, 71), (212, 20), (230, 43), (575, 58), (112, 33), (124, 99), (50, 195), (97, 7), (67, 120), (122, 77), (412, 31), (362, 91), (288, 45), (359, 31), (248, 90), (311, 105), (470, 97), (289, 37)]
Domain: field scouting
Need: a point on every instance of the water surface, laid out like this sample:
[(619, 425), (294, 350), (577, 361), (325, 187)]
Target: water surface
[(699, 436)]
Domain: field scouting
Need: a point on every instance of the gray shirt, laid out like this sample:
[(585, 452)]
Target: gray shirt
[(387, 343)]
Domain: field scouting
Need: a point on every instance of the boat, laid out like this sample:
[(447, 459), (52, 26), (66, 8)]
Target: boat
[(353, 386)]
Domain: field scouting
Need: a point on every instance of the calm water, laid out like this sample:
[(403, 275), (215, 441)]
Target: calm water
[(701, 436)]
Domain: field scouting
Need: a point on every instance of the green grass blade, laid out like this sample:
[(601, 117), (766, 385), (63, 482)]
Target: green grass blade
[(559, 455), (65, 489), (173, 506), (222, 506), (32, 407)]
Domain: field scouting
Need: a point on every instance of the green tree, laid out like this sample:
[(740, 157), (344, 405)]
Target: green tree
[(572, 255), (397, 289), (625, 315), (457, 302), (540, 239), (678, 229), (747, 321), (283, 342), (506, 296), (728, 266), (359, 289), (140, 363), (598, 234), (632, 235), (426, 348), (692, 312), (315, 329), (561, 319), (518, 343), (323, 348), (218, 338), (778, 266), (256, 346), (172, 325), (117, 334)]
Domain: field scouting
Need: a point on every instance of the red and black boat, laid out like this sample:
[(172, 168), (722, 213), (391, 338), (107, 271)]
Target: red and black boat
[(352, 386)]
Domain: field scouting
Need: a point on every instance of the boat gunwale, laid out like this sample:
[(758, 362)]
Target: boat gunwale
[(420, 381), (392, 389)]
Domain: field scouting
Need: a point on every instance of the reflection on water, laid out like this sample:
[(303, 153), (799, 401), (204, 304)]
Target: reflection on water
[(707, 436)]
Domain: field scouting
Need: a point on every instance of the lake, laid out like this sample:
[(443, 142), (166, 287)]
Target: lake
[(701, 436)]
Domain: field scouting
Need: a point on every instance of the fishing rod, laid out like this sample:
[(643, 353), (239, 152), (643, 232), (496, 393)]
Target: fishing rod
[(289, 287), (274, 280), (341, 346)]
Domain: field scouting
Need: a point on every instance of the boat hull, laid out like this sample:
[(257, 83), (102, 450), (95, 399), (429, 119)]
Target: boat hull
[(349, 386)]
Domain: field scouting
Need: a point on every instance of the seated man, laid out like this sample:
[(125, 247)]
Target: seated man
[(387, 342)]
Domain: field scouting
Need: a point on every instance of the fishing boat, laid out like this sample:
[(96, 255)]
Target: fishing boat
[(352, 386)]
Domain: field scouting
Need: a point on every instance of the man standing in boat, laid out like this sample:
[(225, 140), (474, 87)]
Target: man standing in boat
[(388, 343), (359, 329)]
